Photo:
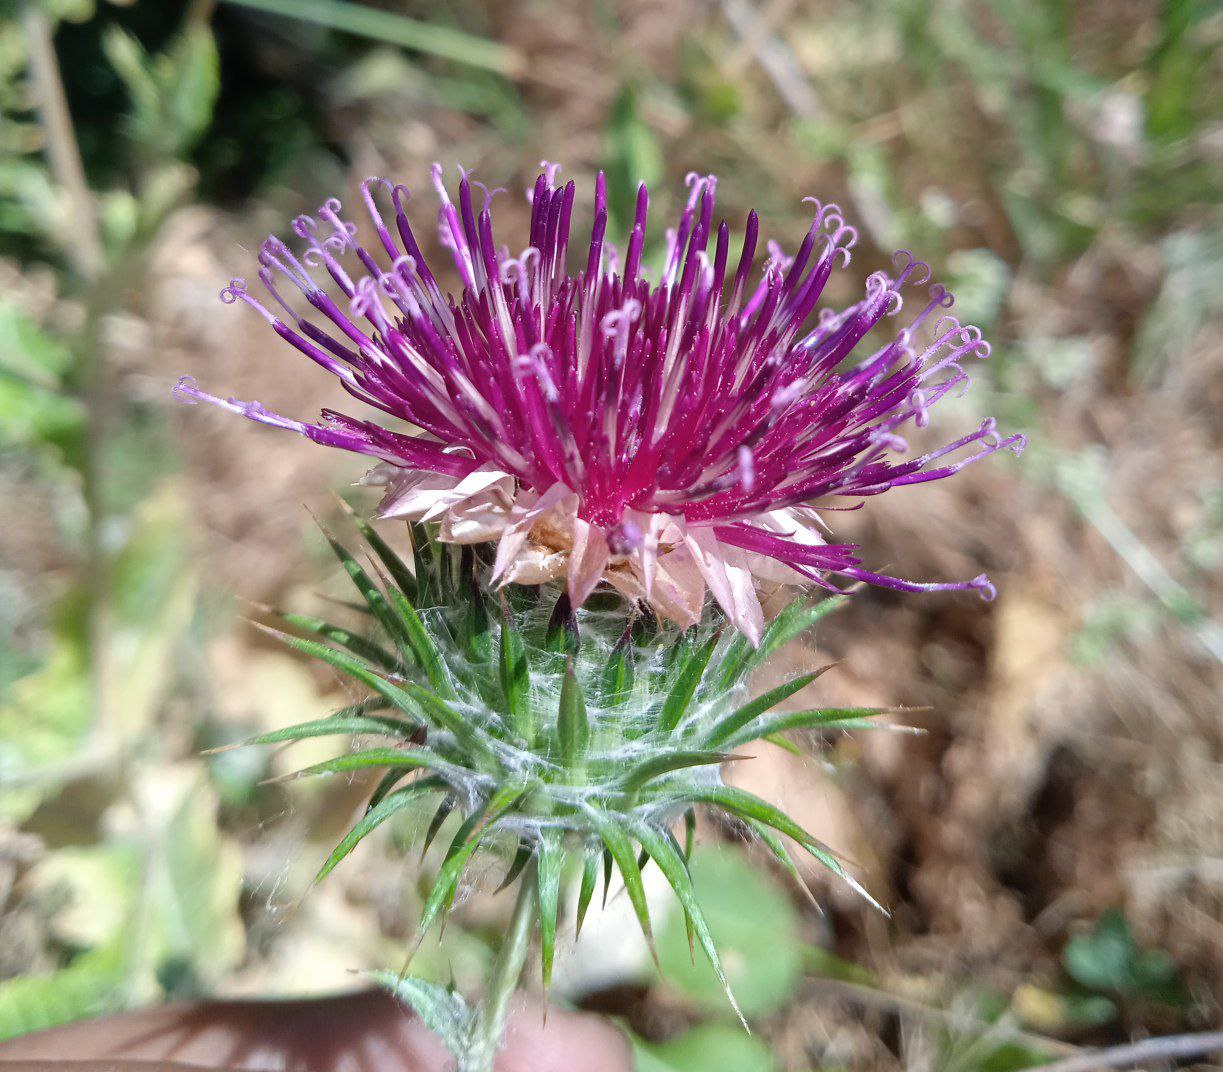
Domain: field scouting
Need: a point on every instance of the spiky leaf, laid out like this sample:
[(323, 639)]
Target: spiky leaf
[(682, 691), (411, 759), (343, 722), (447, 717), (616, 680), (514, 674), (590, 879), (665, 763), (421, 643), (358, 645), (466, 841), (476, 635), (672, 865), (394, 565), (616, 839), (440, 1009), (572, 724), (842, 718), (370, 592), (749, 806), (562, 636), (375, 817), (549, 859), (794, 620), (729, 726)]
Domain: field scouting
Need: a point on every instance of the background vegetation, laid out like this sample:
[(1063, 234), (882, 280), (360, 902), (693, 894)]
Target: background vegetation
[(1051, 848)]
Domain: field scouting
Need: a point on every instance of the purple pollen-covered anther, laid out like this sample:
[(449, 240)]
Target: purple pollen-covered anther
[(663, 434)]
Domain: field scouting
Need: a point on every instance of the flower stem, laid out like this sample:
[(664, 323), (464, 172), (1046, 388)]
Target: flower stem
[(489, 1022)]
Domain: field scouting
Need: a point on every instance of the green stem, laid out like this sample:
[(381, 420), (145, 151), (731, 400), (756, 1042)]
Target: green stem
[(489, 1024)]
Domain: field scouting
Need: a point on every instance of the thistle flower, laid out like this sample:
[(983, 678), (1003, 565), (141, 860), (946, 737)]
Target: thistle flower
[(665, 437)]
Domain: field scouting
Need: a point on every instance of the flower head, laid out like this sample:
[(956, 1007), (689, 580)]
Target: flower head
[(665, 436)]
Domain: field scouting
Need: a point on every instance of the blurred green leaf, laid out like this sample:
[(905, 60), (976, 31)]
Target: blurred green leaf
[(1178, 65), (1053, 1013), (172, 94), (725, 882), (48, 716), (69, 10), (707, 1048), (26, 350), (386, 27), (1188, 300), (981, 282), (195, 883), (165, 894), (45, 718), (1110, 619), (98, 886), (35, 412), (631, 156), (1108, 960), (152, 597), (88, 987), (36, 417), (191, 76)]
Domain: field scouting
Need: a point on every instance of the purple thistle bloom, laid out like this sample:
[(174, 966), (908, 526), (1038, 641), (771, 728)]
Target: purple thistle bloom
[(662, 436)]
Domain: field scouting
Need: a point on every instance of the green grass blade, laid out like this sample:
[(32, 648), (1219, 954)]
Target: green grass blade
[(375, 817)]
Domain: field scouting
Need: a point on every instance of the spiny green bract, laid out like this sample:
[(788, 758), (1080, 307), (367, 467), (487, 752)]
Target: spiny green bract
[(556, 734)]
